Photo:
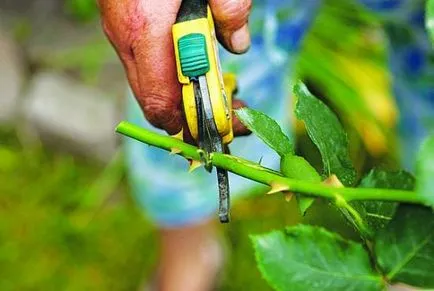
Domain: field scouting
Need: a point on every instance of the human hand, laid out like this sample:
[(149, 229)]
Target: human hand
[(140, 32)]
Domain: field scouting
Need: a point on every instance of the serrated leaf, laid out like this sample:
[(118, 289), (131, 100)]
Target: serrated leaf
[(405, 248), (378, 178), (429, 18), (296, 167), (378, 214), (425, 171), (310, 258), (326, 132), (266, 129)]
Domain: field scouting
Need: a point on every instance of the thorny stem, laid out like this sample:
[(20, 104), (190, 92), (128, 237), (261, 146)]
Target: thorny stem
[(354, 216), (266, 176)]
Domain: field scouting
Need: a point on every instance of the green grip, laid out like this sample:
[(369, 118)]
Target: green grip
[(193, 55)]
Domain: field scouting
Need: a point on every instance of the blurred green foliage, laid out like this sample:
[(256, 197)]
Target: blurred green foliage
[(430, 18), (22, 30), (86, 60), (349, 74), (82, 10), (68, 224), (65, 224)]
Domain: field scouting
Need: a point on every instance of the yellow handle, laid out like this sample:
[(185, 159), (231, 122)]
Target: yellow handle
[(221, 98)]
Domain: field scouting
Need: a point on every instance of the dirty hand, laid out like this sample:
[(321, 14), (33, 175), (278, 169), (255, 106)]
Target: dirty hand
[(140, 31)]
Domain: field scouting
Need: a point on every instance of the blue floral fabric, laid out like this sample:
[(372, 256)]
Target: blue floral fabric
[(172, 197), (412, 69), (411, 64)]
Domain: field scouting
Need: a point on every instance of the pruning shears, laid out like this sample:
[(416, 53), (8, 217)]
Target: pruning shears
[(207, 102)]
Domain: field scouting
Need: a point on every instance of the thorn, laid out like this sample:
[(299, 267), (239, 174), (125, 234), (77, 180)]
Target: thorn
[(333, 181), (179, 135), (194, 165), (260, 160), (175, 151), (288, 196), (276, 188), (201, 154)]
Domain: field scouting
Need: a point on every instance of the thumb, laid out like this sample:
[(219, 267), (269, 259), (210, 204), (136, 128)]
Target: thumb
[(231, 17)]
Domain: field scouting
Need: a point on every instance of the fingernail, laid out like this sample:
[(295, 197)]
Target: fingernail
[(240, 39)]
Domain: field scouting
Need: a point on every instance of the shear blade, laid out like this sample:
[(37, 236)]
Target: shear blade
[(224, 200), (211, 141)]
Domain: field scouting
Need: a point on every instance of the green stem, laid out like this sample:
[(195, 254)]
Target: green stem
[(354, 217), (263, 175)]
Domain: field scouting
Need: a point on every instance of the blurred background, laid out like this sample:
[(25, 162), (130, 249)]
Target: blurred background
[(67, 217)]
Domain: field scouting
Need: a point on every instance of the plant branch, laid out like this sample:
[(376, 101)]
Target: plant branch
[(263, 175), (354, 217)]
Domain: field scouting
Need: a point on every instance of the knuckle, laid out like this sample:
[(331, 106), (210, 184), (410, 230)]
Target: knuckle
[(122, 47), (106, 29), (124, 21), (161, 112), (236, 9)]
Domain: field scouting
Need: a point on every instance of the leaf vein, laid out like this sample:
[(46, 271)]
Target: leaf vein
[(408, 258)]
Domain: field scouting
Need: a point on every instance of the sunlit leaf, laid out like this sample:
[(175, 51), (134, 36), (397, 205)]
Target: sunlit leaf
[(296, 167), (350, 72), (266, 129), (270, 132), (405, 248), (425, 171), (310, 258), (327, 133), (430, 18)]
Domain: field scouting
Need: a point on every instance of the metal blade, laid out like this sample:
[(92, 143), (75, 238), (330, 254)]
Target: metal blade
[(212, 137), (224, 195), (211, 141)]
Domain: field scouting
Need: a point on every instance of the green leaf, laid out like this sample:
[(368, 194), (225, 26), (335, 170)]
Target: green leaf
[(296, 167), (378, 214), (310, 258), (425, 171), (327, 133), (405, 248), (429, 19), (266, 129)]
